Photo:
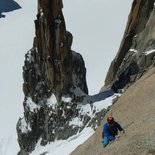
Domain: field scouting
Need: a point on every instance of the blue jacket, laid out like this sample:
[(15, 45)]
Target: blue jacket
[(111, 132)]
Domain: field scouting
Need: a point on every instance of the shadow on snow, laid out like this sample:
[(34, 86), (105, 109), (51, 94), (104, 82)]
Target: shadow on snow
[(7, 6), (101, 96)]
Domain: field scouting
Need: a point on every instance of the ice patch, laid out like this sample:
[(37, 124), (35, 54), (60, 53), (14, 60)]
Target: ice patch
[(133, 50), (104, 104), (64, 147), (8, 145), (32, 106), (52, 101), (66, 99), (76, 122), (24, 127), (149, 52)]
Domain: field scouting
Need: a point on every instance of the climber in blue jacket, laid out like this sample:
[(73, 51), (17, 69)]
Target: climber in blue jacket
[(110, 130)]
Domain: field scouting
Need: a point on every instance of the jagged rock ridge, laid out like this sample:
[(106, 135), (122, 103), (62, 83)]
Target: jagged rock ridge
[(136, 53), (54, 84)]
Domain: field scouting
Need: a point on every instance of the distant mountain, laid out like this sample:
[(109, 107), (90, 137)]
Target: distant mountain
[(8, 5)]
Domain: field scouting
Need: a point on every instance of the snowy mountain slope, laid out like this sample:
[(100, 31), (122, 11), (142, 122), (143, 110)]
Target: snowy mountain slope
[(8, 5), (65, 147), (17, 32)]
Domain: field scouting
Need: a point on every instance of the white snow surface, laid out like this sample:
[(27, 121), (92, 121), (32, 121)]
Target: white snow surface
[(24, 126), (66, 99), (133, 50), (31, 105), (52, 101), (63, 146), (76, 122), (17, 33)]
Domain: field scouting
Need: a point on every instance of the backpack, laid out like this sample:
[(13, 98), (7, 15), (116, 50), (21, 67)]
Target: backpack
[(113, 130)]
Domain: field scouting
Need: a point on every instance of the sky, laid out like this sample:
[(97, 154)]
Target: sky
[(17, 33), (97, 27)]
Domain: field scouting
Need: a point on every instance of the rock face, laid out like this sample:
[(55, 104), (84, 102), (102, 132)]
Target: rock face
[(54, 84), (137, 50), (134, 110)]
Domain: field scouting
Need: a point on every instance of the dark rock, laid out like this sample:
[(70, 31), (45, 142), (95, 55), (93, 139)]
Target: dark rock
[(139, 38), (51, 71), (7, 6), (44, 153), (86, 119)]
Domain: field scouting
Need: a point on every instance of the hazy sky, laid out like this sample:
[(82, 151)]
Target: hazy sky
[(97, 27)]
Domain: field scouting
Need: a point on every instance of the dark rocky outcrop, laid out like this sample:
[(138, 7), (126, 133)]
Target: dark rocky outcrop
[(134, 56), (54, 84), (7, 6)]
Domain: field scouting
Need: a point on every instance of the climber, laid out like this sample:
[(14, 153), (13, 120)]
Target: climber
[(110, 130)]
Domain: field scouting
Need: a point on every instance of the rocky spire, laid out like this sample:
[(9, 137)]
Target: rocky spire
[(54, 81), (53, 42), (136, 52)]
